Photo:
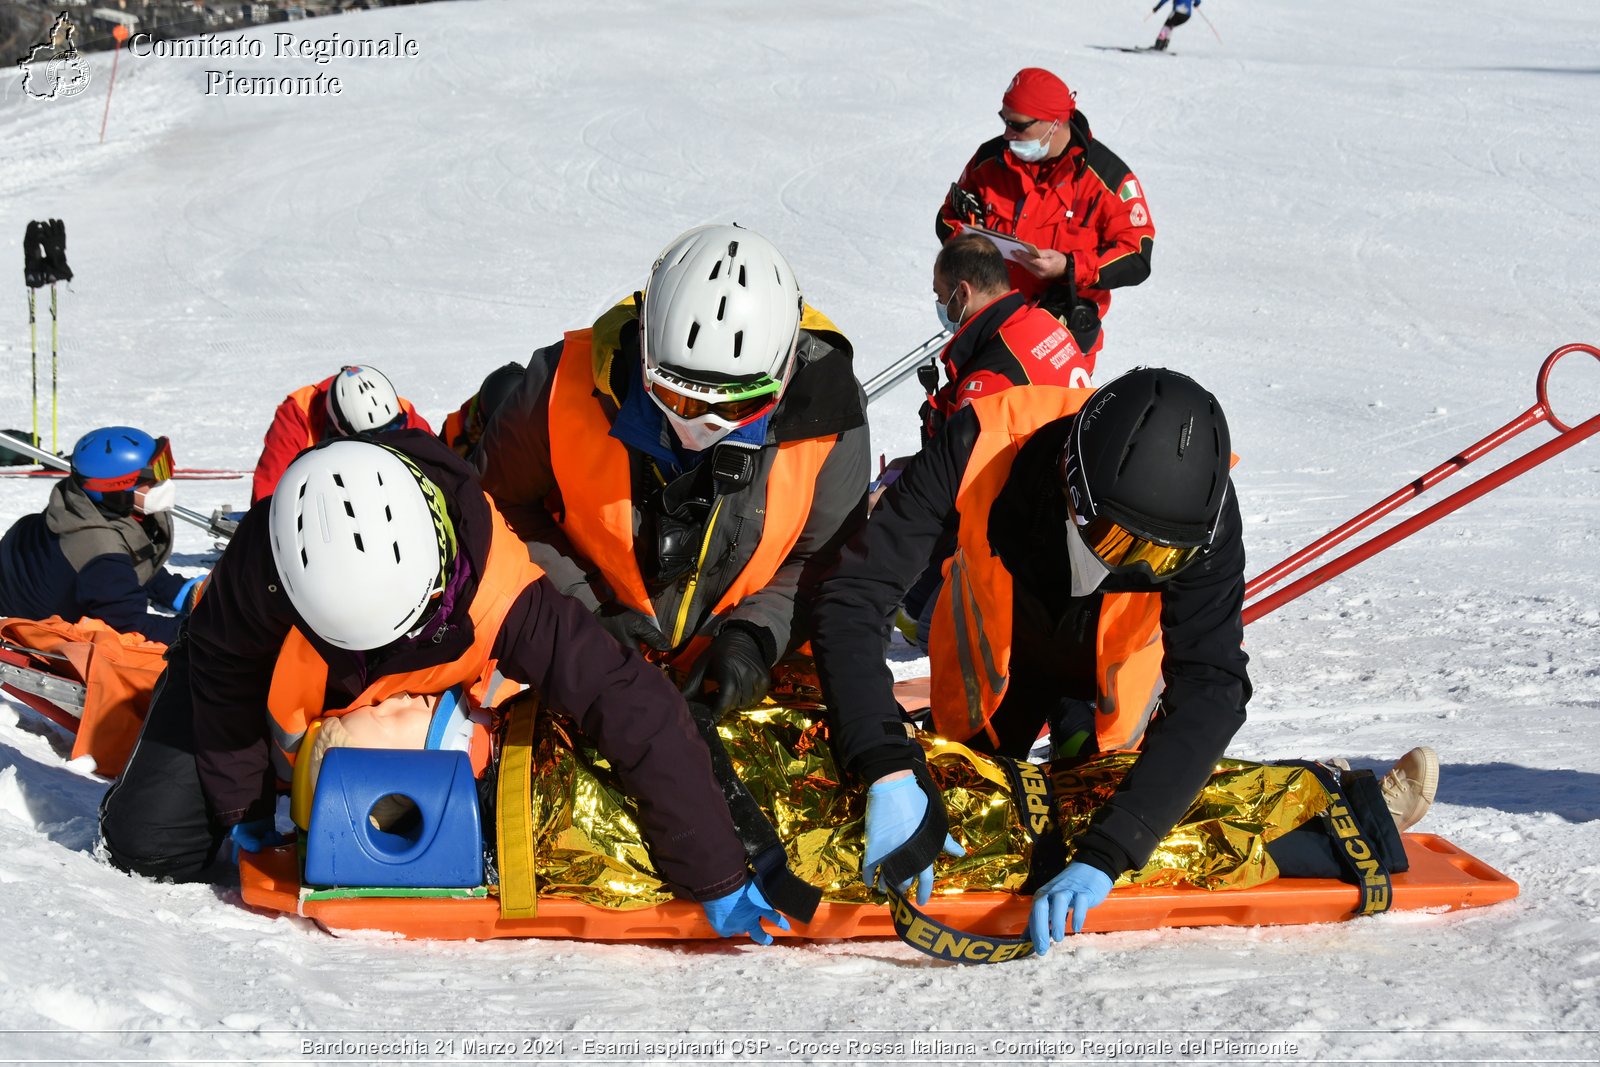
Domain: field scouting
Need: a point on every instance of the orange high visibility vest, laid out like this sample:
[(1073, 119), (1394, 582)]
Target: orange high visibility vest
[(593, 471), (969, 643), (300, 679)]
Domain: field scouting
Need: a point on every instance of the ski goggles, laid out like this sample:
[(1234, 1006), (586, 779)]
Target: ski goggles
[(734, 402), (158, 469), (1120, 548)]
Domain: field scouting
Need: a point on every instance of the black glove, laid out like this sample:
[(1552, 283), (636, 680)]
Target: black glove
[(968, 208), (735, 664), (44, 254), (35, 260), (631, 629), (55, 246)]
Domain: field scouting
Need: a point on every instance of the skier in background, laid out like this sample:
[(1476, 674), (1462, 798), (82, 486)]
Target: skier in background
[(356, 400), (1180, 15), (100, 545)]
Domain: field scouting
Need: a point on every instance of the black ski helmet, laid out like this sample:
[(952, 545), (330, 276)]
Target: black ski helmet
[(1150, 451), (496, 389)]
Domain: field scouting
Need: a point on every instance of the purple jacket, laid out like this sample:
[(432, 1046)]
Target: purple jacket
[(627, 708)]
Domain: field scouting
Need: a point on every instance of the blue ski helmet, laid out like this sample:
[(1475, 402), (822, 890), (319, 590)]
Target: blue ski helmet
[(111, 461)]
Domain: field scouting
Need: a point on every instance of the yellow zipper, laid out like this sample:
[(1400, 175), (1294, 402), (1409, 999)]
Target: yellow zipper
[(694, 576)]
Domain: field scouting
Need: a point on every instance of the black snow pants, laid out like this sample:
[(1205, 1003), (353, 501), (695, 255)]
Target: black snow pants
[(154, 820)]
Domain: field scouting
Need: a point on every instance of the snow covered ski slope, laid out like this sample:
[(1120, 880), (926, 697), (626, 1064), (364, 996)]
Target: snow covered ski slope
[(1374, 220)]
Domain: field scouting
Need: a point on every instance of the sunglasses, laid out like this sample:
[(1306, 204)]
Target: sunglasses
[(159, 469), (1019, 125), (733, 403)]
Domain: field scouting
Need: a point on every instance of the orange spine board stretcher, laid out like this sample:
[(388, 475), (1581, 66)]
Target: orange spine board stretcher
[(1441, 876)]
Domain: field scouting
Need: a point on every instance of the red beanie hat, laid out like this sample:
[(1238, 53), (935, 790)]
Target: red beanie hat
[(1039, 94)]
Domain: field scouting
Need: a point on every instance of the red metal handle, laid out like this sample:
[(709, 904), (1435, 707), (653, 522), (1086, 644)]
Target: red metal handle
[(1540, 412), (1423, 518)]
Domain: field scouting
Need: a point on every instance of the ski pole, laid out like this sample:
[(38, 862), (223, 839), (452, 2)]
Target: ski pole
[(53, 379), (50, 459), (1541, 411), (901, 368), (1214, 32), (33, 347)]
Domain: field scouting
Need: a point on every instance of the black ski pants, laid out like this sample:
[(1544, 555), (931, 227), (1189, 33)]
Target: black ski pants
[(154, 820), (1308, 851)]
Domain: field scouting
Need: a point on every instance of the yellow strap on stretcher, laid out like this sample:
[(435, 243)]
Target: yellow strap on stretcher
[(514, 814), (300, 790)]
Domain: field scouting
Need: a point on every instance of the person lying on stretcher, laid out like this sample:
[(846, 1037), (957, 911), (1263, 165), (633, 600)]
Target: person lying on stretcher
[(1251, 822)]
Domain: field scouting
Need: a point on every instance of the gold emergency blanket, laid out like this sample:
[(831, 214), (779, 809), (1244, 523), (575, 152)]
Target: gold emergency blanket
[(587, 844)]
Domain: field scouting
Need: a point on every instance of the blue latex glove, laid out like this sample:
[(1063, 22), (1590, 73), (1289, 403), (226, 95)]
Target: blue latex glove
[(183, 602), (1076, 889), (258, 835), (741, 912), (895, 807)]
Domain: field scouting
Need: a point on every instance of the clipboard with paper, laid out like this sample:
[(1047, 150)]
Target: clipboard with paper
[(1010, 247)]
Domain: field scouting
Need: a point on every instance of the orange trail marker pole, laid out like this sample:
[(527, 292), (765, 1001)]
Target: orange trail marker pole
[(119, 32)]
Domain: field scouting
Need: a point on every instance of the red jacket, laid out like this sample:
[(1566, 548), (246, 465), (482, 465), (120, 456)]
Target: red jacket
[(1009, 342), (300, 422), (1085, 202)]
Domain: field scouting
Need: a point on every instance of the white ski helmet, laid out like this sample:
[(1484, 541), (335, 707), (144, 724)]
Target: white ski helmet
[(718, 330), (363, 542), (362, 400)]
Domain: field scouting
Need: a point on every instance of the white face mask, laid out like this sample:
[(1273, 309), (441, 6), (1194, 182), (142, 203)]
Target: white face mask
[(1087, 570), (948, 320), (150, 499), (1033, 151), (697, 435)]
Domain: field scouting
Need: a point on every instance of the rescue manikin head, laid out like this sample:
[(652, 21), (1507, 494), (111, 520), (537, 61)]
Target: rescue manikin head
[(718, 330), (1145, 472), (124, 470), (362, 400), (363, 542)]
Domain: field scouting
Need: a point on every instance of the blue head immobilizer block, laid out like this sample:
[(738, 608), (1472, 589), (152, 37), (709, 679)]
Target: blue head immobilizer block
[(439, 845)]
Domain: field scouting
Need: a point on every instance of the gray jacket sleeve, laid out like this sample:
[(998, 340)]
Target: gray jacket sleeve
[(513, 461), (838, 508)]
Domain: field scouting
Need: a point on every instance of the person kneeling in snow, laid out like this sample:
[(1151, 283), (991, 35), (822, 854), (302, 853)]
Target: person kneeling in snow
[(1095, 587), (382, 569), (100, 546), (687, 465)]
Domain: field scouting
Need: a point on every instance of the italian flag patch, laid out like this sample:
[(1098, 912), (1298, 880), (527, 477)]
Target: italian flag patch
[(1129, 190)]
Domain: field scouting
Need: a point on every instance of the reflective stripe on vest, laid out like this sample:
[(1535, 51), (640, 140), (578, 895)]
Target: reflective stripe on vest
[(594, 473), (969, 643), (300, 679)]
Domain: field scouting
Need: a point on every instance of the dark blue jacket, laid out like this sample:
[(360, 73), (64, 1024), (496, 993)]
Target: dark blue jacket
[(37, 578)]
